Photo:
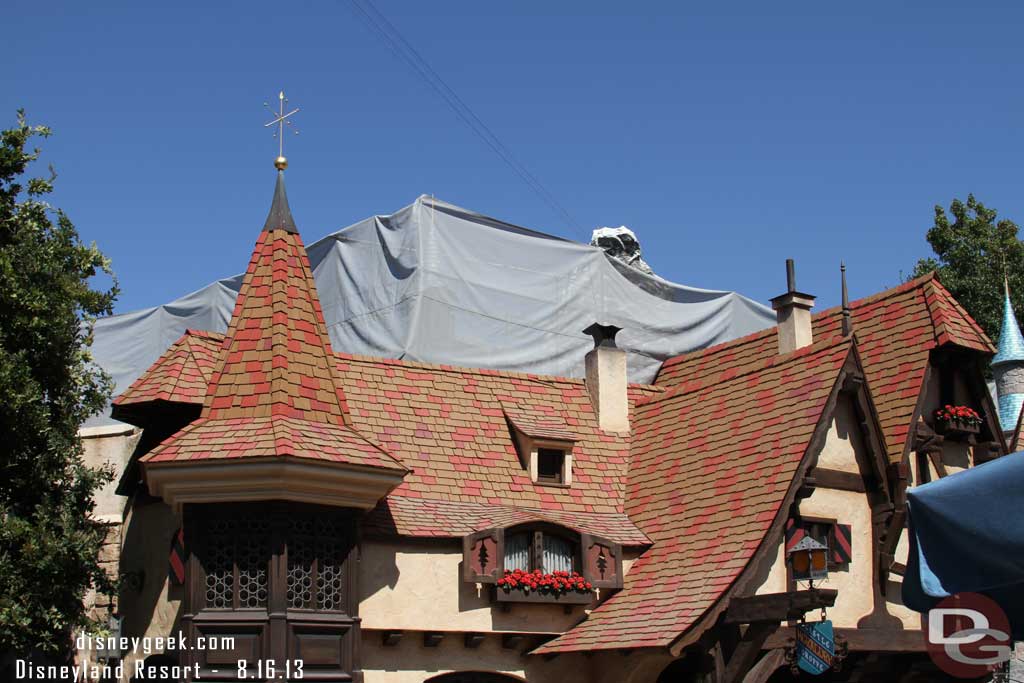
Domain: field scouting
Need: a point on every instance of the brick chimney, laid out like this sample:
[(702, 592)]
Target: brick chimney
[(606, 379), (793, 310)]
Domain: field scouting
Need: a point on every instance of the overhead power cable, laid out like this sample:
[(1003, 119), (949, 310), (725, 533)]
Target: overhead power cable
[(377, 22)]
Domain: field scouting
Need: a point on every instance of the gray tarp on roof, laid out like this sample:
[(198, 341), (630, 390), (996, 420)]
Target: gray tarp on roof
[(437, 283)]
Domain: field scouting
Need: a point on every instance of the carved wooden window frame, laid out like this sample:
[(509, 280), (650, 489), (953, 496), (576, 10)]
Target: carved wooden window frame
[(597, 559)]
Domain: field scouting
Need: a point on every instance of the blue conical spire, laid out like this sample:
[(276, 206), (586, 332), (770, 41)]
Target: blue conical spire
[(1007, 365), (1011, 341)]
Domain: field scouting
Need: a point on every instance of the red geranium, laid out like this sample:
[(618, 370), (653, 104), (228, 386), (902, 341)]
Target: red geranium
[(552, 583), (950, 413)]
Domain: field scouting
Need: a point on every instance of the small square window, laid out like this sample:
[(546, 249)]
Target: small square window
[(550, 465)]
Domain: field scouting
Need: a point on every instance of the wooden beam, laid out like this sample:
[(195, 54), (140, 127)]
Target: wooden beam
[(898, 568), (769, 664), (860, 639), (510, 641), (925, 440), (776, 607), (473, 640), (747, 650), (837, 479), (940, 467), (390, 638)]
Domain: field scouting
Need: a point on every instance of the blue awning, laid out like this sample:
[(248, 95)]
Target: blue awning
[(967, 535)]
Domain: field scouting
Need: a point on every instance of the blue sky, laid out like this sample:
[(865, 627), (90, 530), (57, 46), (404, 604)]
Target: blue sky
[(729, 136)]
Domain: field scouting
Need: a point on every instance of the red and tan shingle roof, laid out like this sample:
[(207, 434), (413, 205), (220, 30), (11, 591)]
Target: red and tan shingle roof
[(180, 375), (271, 436), (449, 426), (896, 330), (273, 390), (712, 464), (428, 517)]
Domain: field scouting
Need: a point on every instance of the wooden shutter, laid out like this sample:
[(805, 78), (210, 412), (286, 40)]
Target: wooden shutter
[(177, 557), (841, 544), (602, 561), (795, 533), (483, 556)]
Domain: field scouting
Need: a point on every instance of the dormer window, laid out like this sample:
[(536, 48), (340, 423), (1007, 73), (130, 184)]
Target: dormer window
[(551, 466), (544, 443), (492, 554)]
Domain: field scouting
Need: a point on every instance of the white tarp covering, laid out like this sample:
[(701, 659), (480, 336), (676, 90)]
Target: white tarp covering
[(437, 283)]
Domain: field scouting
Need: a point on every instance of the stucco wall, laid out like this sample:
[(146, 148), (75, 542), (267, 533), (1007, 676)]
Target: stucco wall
[(839, 452), (152, 608), (419, 586), (843, 440), (109, 446), (412, 662)]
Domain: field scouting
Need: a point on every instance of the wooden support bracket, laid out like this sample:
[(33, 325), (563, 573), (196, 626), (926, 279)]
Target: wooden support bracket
[(776, 607), (391, 638)]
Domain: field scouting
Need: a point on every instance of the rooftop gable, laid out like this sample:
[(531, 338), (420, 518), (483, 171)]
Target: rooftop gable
[(712, 466)]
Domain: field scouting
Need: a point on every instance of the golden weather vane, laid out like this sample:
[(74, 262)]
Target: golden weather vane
[(280, 120)]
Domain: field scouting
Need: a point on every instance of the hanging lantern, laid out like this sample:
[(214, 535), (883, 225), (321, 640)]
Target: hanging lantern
[(809, 560)]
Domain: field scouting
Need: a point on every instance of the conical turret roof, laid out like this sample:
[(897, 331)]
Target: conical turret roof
[(1011, 342), (274, 391)]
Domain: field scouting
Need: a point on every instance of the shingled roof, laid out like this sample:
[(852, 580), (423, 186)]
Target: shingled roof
[(712, 463), (451, 427), (896, 331), (273, 391), (180, 375)]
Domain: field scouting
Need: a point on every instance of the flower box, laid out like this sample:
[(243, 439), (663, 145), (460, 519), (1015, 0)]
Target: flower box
[(957, 422), (573, 598), (565, 588)]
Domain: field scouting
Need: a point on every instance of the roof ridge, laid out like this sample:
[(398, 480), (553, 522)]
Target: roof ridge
[(190, 356), (735, 344), (461, 369)]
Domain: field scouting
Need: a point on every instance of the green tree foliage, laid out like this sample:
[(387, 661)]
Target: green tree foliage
[(48, 386), (972, 252)]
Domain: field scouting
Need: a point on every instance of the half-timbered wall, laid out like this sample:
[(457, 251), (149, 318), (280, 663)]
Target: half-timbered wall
[(843, 451)]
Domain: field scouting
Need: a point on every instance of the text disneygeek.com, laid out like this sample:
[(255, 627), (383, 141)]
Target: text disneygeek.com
[(110, 650)]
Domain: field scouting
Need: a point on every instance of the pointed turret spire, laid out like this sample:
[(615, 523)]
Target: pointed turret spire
[(847, 314), (277, 357), (273, 396), (1008, 365), (280, 216)]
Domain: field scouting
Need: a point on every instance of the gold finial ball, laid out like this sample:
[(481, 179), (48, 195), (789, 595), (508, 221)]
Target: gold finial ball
[(280, 163)]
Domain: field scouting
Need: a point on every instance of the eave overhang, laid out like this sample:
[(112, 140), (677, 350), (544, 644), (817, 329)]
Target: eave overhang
[(275, 478)]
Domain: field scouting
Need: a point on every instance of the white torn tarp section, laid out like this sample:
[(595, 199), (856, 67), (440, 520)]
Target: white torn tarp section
[(621, 244), (440, 284)]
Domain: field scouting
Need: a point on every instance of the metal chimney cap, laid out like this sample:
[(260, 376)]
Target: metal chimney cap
[(604, 335)]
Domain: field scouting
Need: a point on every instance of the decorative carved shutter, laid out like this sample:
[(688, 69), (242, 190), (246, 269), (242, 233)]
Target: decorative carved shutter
[(483, 556), (602, 561)]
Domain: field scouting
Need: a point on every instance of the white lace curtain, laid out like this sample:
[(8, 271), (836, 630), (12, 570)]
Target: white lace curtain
[(557, 553), (517, 552)]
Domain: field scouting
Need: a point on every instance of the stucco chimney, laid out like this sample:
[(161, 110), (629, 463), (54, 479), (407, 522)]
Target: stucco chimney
[(606, 379), (793, 310)]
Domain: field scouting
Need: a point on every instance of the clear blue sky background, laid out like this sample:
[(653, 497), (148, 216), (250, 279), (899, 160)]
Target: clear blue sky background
[(729, 136)]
